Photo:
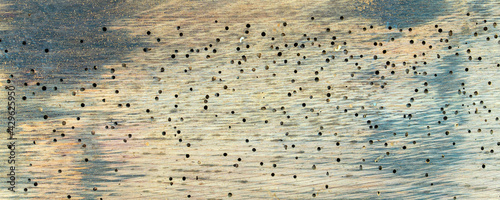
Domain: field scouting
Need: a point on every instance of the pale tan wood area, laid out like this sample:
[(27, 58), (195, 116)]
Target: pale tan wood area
[(252, 99)]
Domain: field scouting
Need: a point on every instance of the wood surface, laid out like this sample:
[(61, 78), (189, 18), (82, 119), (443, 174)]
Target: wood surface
[(364, 99)]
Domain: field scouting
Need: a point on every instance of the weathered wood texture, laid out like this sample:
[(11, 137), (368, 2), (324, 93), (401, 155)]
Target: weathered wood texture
[(385, 99)]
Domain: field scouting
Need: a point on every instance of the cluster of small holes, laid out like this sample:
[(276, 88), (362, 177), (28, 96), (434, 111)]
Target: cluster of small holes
[(334, 49)]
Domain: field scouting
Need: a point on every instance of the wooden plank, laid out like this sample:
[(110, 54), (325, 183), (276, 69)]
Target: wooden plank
[(250, 99)]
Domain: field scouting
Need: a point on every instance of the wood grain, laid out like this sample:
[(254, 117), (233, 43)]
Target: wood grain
[(391, 100)]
